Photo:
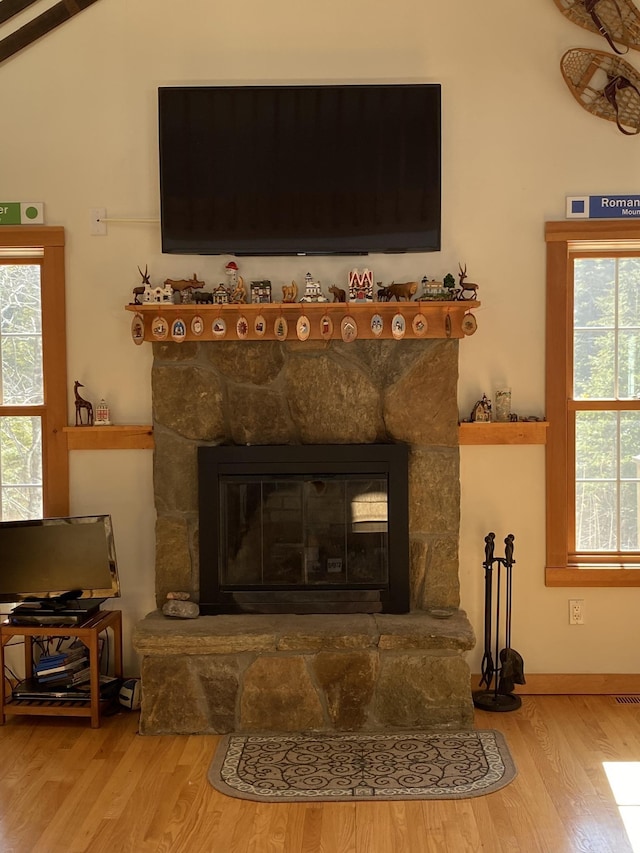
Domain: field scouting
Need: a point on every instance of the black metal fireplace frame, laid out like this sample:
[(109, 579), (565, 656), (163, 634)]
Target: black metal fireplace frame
[(379, 460)]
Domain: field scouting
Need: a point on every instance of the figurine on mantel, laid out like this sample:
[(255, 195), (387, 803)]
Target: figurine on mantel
[(103, 416), (261, 291), (183, 288), (466, 287), (81, 404), (312, 290), (139, 289), (289, 292), (237, 290), (360, 285), (398, 290), (179, 606), (481, 412)]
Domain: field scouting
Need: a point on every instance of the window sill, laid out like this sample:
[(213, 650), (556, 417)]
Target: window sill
[(573, 576)]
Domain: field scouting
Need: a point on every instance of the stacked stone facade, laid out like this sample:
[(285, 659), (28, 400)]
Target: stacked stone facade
[(268, 393)]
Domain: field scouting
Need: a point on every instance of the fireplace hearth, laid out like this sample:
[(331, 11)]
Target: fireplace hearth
[(304, 529)]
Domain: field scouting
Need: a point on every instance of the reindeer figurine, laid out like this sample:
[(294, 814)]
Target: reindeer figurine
[(81, 404), (469, 287), (139, 289)]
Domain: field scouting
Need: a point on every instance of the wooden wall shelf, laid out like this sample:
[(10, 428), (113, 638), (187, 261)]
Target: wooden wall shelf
[(140, 437), (521, 432), (136, 437), (444, 319)]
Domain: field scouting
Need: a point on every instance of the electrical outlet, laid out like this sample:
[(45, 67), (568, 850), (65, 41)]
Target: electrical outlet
[(576, 611), (98, 227)]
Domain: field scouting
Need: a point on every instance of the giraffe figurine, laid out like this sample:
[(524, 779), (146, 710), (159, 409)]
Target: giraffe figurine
[(81, 404)]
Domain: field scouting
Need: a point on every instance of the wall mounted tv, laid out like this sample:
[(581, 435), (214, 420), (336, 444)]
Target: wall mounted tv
[(300, 170), (48, 557)]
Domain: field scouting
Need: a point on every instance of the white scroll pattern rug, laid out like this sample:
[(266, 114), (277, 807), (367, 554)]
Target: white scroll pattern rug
[(333, 767)]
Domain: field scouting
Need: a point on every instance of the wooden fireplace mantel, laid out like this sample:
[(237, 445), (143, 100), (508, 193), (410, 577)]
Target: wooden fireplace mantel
[(443, 319)]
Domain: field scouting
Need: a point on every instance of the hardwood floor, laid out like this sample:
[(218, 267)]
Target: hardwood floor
[(67, 788)]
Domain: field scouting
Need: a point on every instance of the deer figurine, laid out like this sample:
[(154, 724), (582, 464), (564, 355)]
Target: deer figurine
[(81, 404), (139, 289), (469, 287)]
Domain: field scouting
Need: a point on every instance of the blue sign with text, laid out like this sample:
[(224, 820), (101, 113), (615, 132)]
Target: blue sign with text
[(603, 206)]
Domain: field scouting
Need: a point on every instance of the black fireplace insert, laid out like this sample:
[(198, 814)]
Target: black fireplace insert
[(304, 529)]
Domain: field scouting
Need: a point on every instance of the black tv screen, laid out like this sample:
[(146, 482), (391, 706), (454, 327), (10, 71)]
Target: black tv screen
[(45, 558), (300, 170)]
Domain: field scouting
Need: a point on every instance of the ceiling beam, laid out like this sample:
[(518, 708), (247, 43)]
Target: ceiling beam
[(39, 26)]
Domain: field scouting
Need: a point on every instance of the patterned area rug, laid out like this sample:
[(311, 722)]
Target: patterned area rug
[(330, 767)]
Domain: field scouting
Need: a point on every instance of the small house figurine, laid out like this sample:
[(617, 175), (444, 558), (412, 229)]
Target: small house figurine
[(360, 286), (432, 290), (102, 416), (481, 412), (261, 291), (220, 295)]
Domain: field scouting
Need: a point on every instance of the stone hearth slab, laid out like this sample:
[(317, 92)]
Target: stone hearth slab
[(157, 634), (288, 672)]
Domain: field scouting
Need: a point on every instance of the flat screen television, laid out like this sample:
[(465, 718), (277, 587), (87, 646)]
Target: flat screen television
[(300, 170), (48, 557)]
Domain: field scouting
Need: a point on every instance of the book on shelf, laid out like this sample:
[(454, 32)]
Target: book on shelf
[(68, 679), (72, 666), (60, 658)]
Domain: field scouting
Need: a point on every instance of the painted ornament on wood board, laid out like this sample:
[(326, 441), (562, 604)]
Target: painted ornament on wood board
[(260, 326), (419, 325), (469, 324), (242, 327), (398, 326), (377, 325), (159, 328), (326, 327), (178, 330), (281, 328), (137, 329), (303, 328), (348, 329), (197, 325), (219, 327)]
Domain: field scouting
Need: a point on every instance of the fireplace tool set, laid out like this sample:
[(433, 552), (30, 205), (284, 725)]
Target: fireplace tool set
[(506, 669)]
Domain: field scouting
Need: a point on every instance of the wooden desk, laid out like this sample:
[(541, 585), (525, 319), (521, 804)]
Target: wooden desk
[(88, 632)]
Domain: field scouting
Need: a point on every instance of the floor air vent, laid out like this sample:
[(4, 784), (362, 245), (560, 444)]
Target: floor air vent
[(628, 700)]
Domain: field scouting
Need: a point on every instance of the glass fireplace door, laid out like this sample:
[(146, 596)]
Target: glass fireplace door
[(303, 531)]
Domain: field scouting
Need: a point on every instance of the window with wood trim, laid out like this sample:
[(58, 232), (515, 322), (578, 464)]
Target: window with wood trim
[(34, 478), (593, 403)]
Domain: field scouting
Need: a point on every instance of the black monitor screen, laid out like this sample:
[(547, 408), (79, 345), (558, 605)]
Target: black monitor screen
[(285, 170), (47, 557)]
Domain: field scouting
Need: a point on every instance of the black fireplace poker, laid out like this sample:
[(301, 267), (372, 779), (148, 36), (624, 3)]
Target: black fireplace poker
[(510, 669)]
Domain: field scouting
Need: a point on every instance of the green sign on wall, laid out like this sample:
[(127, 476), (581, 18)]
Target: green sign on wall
[(21, 213)]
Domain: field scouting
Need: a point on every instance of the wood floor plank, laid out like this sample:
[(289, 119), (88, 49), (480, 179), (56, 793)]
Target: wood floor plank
[(67, 788)]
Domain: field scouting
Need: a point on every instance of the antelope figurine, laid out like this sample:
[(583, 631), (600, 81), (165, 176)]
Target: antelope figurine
[(464, 286)]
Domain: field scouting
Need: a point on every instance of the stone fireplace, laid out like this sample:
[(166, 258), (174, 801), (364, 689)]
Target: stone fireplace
[(292, 671)]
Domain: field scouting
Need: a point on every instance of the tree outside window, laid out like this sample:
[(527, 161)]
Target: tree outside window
[(593, 403), (33, 455)]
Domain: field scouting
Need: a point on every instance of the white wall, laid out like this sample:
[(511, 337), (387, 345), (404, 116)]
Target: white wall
[(79, 131)]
